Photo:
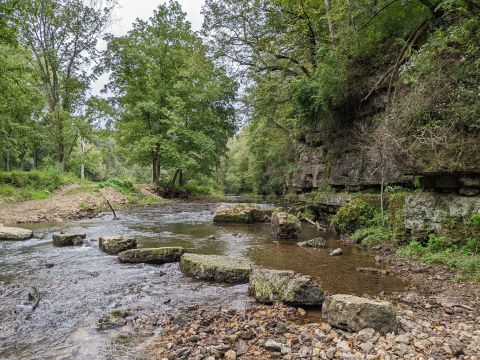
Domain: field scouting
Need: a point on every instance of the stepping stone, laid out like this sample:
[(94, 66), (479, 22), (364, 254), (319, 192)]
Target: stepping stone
[(353, 313), (151, 256), (68, 239), (114, 245), (285, 226), (268, 286), (14, 233), (223, 269)]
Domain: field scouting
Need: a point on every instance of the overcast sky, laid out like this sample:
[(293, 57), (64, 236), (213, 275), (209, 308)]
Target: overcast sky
[(129, 10)]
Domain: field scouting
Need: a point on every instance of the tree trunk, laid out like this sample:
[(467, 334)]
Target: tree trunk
[(35, 159), (174, 180), (82, 171), (155, 166), (331, 27), (7, 161), (181, 180), (382, 191)]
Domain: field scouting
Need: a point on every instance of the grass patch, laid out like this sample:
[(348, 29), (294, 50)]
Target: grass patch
[(125, 186), (35, 184), (442, 250)]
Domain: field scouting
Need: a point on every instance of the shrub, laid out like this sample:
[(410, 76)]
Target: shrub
[(125, 186), (372, 235), (356, 214)]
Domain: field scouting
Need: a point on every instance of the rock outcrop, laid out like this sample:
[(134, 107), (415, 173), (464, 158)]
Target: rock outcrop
[(285, 226), (353, 313), (268, 286), (427, 212), (114, 245), (67, 239), (151, 256), (242, 213), (318, 243), (223, 269), (14, 233)]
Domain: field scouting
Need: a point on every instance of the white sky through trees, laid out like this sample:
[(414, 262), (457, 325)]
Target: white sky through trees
[(129, 10)]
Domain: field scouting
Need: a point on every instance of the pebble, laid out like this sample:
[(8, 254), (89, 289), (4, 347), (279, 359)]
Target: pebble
[(272, 345), (230, 355)]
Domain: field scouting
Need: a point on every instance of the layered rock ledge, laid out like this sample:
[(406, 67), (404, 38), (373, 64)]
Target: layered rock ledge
[(242, 213)]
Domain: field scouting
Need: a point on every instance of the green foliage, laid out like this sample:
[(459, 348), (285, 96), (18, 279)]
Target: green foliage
[(372, 235), (176, 104), (440, 250), (125, 186), (34, 184), (356, 214)]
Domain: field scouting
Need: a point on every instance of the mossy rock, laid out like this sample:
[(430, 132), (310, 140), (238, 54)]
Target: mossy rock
[(318, 243), (151, 256), (223, 269), (268, 286), (114, 245), (67, 239), (242, 213), (285, 226)]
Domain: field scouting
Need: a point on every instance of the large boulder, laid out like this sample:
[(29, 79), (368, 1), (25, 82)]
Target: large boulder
[(151, 256), (14, 233), (285, 226), (242, 213), (268, 286), (217, 268), (353, 313), (68, 239), (114, 245), (318, 243)]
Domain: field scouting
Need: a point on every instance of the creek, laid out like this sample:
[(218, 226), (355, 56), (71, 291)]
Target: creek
[(77, 285)]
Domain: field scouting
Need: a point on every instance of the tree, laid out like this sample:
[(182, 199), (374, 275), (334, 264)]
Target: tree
[(176, 105), (62, 35)]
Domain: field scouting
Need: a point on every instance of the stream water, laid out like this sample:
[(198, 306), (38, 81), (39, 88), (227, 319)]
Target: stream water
[(79, 284)]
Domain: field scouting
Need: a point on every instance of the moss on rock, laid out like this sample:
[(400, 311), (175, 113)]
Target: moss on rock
[(151, 255), (223, 269)]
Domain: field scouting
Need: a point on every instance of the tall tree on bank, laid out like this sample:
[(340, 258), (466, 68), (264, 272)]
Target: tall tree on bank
[(62, 35), (176, 105)]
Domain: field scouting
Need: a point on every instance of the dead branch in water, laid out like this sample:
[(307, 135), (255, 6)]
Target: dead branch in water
[(111, 208), (316, 224)]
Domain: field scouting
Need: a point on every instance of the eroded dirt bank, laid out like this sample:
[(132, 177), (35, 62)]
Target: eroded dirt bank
[(71, 202)]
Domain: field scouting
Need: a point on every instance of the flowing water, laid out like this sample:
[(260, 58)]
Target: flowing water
[(79, 284)]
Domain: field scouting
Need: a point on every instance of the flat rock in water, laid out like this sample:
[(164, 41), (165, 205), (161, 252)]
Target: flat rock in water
[(336, 252), (318, 243), (67, 239), (285, 226), (217, 268), (268, 286), (14, 233), (353, 313), (114, 245), (151, 256), (242, 213)]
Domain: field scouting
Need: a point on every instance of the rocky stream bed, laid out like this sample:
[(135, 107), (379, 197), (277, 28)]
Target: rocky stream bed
[(78, 302)]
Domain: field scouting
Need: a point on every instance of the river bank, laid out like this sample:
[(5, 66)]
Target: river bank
[(75, 201)]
